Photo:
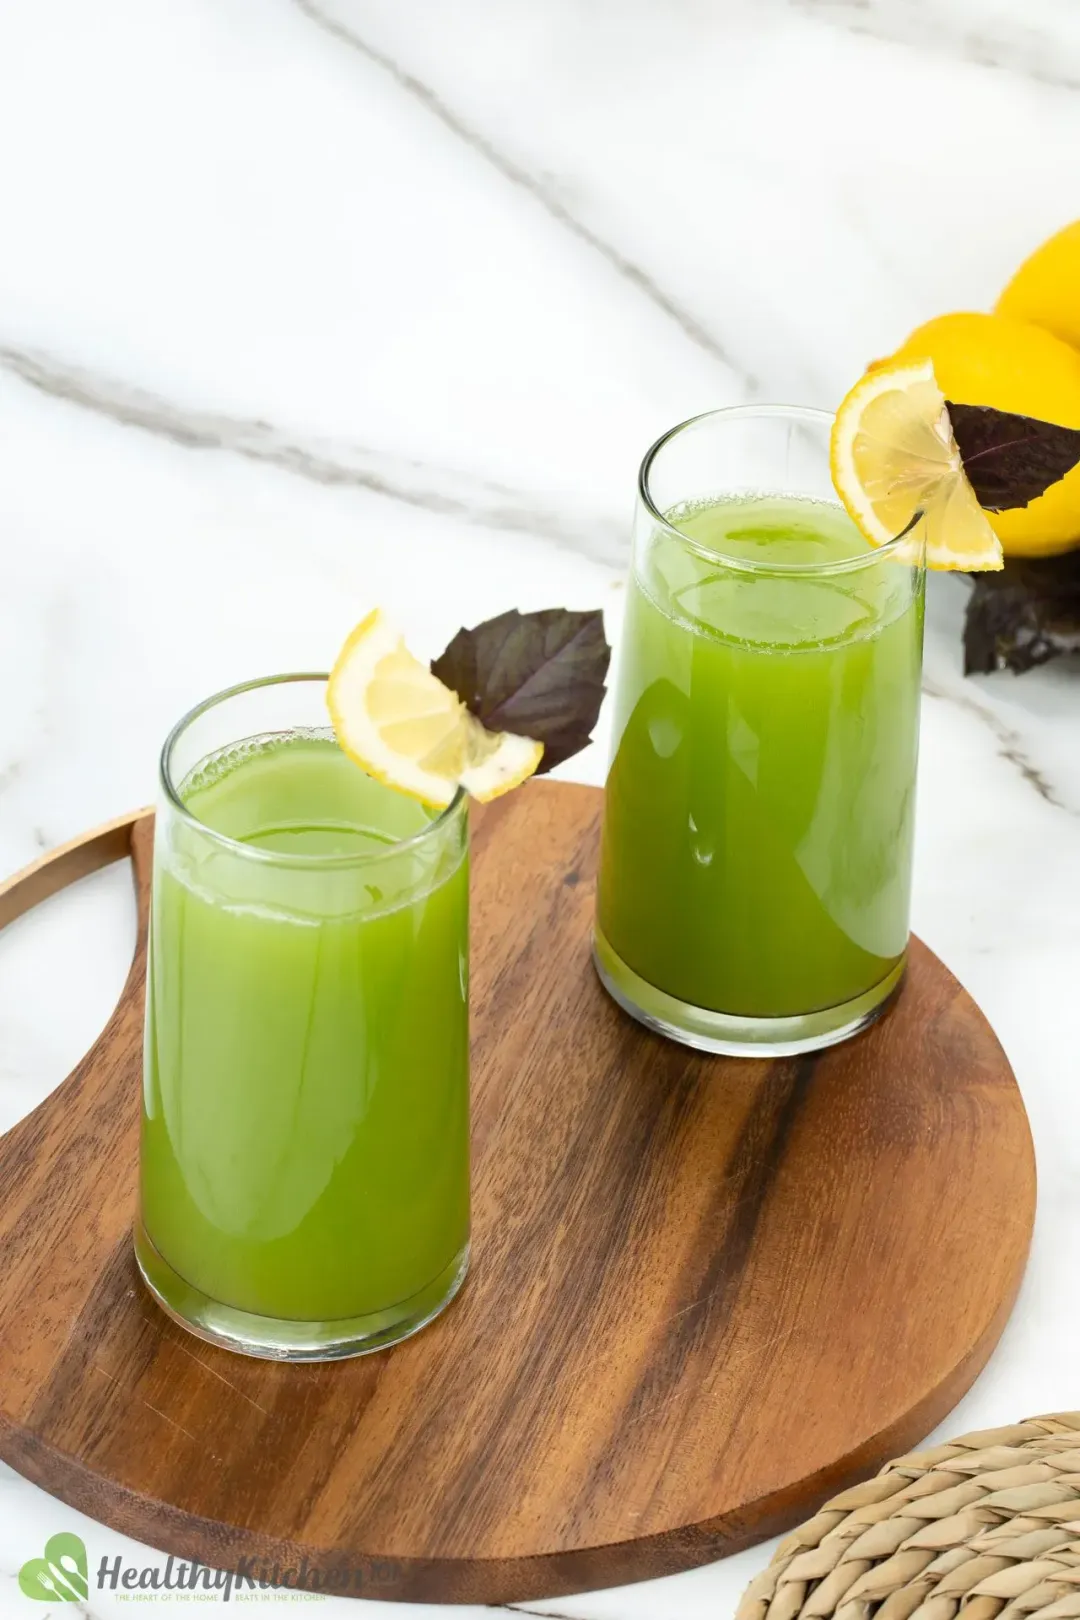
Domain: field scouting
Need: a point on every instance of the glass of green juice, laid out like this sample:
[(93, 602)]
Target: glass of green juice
[(755, 867), (304, 1162)]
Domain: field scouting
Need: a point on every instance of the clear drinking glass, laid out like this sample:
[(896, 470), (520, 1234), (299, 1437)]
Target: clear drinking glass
[(304, 1185), (755, 867)]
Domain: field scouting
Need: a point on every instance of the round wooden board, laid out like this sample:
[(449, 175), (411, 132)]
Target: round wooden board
[(706, 1293)]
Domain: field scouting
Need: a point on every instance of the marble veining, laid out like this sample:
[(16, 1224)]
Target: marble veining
[(309, 305), (434, 489), (1010, 745), (546, 194), (996, 34)]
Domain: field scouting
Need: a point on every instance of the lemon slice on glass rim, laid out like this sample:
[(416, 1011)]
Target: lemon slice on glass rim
[(402, 725), (896, 467)]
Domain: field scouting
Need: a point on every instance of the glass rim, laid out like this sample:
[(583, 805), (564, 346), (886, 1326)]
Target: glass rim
[(745, 565), (275, 857)]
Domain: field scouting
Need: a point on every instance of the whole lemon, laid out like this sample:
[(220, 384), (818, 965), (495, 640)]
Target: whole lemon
[(1014, 366), (1046, 288)]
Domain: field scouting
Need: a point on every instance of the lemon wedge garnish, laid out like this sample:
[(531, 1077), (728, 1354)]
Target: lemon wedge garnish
[(400, 724), (893, 456)]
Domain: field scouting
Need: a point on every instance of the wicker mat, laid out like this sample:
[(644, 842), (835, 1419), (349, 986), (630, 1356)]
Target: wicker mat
[(987, 1527)]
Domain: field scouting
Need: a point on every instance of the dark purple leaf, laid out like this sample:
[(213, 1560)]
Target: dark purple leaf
[(1010, 460), (1024, 615), (538, 675)]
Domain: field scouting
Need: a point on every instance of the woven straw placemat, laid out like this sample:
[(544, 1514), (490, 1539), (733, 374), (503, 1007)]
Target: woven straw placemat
[(986, 1527)]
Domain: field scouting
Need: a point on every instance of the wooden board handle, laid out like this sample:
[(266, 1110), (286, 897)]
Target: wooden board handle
[(113, 841), (128, 836)]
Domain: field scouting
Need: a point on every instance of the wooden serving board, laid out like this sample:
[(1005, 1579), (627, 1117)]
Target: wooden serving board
[(706, 1293)]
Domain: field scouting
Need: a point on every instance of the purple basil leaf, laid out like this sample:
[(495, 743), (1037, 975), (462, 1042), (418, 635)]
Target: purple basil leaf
[(1024, 615), (1010, 460), (538, 675)]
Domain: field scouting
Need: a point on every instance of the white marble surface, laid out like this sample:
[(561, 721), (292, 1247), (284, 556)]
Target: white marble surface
[(311, 304)]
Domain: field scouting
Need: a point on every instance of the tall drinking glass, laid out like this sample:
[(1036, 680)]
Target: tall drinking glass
[(755, 866), (305, 1130)]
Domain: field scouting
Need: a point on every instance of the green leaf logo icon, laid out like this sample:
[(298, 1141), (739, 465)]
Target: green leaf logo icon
[(59, 1577)]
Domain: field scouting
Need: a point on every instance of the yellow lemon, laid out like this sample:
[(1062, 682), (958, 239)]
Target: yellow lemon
[(1014, 366), (1046, 288)]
